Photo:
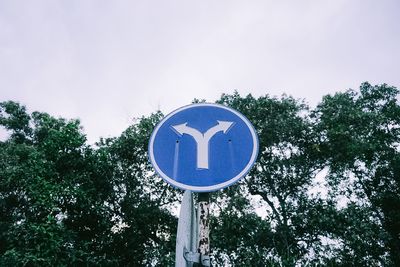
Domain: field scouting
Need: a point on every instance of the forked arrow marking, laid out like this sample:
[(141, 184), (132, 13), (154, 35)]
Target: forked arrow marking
[(202, 140)]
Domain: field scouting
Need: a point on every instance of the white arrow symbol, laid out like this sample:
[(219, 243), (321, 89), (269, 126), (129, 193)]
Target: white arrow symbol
[(202, 140)]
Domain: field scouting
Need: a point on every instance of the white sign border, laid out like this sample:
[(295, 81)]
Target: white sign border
[(212, 187)]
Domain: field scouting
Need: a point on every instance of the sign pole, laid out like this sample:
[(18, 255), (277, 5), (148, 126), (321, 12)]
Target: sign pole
[(204, 228), (186, 237)]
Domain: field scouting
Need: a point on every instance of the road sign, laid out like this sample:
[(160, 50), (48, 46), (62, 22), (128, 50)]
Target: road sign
[(203, 147)]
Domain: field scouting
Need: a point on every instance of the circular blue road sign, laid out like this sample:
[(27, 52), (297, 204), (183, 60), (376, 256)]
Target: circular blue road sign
[(203, 147)]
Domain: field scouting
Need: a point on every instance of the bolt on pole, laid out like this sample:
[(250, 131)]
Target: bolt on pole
[(204, 229)]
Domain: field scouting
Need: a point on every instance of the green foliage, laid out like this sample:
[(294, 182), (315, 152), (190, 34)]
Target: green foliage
[(239, 236), (354, 137), (324, 190), (361, 138), (143, 202), (63, 203), (287, 163)]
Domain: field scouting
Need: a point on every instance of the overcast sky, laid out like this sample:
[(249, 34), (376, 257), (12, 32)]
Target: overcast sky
[(106, 62)]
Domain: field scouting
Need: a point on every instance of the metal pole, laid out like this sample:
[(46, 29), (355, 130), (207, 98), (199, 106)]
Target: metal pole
[(204, 229), (186, 237)]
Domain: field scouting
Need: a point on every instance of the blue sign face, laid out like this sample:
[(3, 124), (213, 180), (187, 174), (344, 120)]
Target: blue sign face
[(203, 147)]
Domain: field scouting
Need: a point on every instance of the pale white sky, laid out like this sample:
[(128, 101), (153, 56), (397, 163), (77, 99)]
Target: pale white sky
[(106, 62)]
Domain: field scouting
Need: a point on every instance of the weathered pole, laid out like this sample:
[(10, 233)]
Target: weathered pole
[(204, 229)]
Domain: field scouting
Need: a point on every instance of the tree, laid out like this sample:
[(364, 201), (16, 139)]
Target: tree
[(63, 202), (142, 209), (361, 137), (239, 237), (53, 191), (325, 189), (283, 175)]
